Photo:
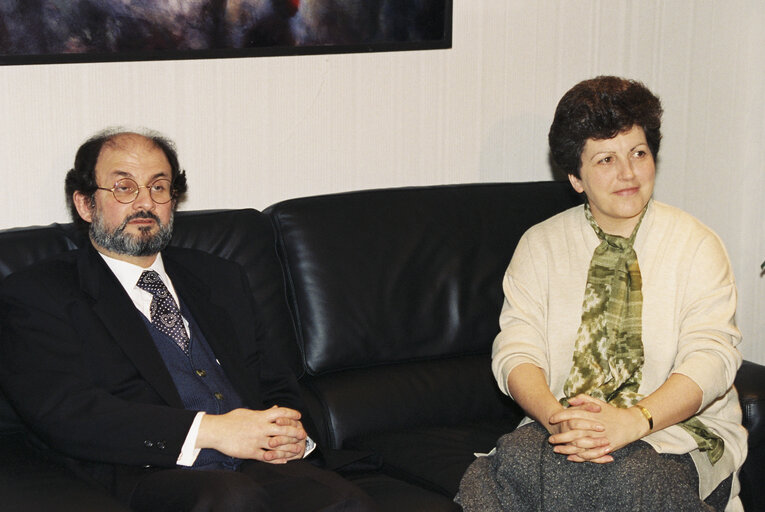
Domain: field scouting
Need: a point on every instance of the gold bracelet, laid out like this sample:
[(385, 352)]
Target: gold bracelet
[(647, 415)]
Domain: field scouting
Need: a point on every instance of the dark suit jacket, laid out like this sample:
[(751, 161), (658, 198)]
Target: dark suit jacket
[(82, 370)]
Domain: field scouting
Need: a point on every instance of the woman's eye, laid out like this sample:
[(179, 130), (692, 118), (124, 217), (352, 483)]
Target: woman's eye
[(640, 153), (606, 160)]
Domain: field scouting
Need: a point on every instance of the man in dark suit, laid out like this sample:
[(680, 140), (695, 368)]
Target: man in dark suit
[(144, 368)]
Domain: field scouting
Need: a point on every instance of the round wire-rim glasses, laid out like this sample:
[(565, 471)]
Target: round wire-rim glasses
[(126, 190)]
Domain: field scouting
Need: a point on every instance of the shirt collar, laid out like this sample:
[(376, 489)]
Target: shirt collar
[(128, 273)]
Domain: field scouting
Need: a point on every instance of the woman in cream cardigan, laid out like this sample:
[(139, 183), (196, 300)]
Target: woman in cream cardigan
[(618, 335)]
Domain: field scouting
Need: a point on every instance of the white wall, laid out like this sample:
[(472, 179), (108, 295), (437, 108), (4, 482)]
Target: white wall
[(254, 131)]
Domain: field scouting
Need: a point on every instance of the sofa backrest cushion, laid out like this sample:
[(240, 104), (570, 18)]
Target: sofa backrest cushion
[(244, 236), (399, 275), (396, 295)]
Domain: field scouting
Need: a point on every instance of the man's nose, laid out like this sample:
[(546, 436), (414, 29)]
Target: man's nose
[(143, 200)]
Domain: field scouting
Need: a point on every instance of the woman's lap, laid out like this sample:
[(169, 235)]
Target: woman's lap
[(525, 474)]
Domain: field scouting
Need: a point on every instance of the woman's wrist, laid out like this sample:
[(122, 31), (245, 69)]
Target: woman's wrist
[(643, 419), (647, 414), (552, 409)]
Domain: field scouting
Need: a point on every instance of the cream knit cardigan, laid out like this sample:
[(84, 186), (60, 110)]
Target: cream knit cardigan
[(689, 305)]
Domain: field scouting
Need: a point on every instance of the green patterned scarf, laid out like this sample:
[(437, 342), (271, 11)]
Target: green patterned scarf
[(608, 355)]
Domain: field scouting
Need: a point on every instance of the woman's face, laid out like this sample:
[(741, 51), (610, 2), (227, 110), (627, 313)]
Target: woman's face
[(617, 177)]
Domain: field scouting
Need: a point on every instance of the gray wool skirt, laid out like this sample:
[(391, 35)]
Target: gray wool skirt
[(526, 475)]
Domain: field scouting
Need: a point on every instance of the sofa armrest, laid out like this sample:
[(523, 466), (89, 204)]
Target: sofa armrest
[(750, 384)]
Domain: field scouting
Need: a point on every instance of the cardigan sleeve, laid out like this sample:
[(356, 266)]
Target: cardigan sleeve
[(524, 316), (708, 335)]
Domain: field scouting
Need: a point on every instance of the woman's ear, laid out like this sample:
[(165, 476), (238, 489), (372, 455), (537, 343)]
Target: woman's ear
[(576, 183), (84, 205)]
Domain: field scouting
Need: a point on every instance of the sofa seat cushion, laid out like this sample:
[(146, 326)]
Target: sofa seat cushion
[(396, 495), (434, 457), (402, 397)]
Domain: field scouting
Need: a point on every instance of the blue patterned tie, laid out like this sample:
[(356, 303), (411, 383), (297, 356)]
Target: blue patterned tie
[(165, 315)]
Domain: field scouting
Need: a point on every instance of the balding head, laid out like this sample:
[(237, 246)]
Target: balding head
[(82, 177)]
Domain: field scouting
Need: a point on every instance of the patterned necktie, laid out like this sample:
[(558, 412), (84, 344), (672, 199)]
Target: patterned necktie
[(165, 315)]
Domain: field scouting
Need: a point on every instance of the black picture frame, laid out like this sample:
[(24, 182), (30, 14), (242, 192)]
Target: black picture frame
[(55, 32)]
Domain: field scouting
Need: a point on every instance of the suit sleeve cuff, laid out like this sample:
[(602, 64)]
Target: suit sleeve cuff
[(189, 451)]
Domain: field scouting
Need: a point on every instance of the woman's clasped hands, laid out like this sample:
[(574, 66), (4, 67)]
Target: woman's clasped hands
[(589, 430)]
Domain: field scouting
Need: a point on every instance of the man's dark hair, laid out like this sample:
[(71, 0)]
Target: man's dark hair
[(82, 177), (601, 108)]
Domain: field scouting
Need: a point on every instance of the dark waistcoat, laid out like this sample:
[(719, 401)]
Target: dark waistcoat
[(201, 383)]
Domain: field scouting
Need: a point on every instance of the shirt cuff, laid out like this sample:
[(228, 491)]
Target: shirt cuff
[(310, 446), (189, 451)]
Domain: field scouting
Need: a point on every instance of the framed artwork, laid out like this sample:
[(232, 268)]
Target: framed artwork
[(59, 31)]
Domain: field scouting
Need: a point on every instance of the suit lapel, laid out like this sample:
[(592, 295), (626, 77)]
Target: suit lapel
[(214, 321), (123, 321)]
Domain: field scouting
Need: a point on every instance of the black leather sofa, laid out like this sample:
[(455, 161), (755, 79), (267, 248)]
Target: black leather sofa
[(385, 302)]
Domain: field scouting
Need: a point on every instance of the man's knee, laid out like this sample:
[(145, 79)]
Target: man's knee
[(199, 491), (231, 492)]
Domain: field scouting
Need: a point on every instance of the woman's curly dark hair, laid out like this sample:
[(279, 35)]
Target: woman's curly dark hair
[(601, 108), (82, 177)]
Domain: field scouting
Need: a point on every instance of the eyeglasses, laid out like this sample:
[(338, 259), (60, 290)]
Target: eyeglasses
[(126, 190)]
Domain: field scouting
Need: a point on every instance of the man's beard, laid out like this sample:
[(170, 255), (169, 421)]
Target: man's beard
[(120, 242)]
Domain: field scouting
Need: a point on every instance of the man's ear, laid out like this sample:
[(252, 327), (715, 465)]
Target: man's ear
[(84, 205), (576, 183)]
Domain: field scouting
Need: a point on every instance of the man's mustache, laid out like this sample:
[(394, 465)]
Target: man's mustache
[(139, 215)]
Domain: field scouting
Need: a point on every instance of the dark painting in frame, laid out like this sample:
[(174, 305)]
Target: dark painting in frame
[(67, 31)]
